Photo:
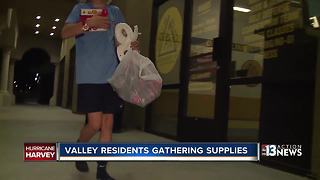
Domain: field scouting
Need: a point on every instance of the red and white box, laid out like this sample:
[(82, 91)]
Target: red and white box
[(87, 13), (40, 152)]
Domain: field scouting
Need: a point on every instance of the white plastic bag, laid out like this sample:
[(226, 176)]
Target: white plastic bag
[(136, 80)]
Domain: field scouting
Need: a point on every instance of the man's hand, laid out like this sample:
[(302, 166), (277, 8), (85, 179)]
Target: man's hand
[(135, 45), (98, 22)]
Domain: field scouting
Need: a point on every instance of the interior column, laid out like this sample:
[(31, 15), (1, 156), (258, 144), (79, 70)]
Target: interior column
[(5, 98)]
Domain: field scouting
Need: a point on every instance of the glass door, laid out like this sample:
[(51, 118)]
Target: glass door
[(203, 104), (202, 71), (246, 71), (168, 19), (192, 46)]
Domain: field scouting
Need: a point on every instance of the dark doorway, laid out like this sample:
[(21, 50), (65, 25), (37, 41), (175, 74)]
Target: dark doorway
[(33, 78)]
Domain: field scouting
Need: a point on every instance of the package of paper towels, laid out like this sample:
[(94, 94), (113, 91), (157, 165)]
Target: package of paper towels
[(136, 79)]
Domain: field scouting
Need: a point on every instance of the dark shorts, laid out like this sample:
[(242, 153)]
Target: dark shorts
[(98, 98)]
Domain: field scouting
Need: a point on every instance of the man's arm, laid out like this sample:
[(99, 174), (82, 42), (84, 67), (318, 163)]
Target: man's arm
[(73, 26), (71, 30)]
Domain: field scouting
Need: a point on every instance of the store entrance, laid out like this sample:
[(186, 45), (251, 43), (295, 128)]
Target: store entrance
[(237, 70)]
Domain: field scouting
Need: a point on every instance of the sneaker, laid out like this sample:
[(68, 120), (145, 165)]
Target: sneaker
[(82, 166), (102, 173)]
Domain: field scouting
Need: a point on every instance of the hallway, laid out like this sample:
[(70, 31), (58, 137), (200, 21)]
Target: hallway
[(19, 124)]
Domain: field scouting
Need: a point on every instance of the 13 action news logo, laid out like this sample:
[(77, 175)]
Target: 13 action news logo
[(285, 150)]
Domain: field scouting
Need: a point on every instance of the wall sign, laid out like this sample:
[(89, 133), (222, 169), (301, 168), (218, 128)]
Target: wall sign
[(169, 41)]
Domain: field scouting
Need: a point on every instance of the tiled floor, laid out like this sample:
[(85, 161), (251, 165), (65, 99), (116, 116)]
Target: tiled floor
[(19, 124)]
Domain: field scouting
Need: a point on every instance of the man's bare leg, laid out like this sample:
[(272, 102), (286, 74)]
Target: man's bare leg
[(105, 137), (87, 132), (93, 126), (106, 128)]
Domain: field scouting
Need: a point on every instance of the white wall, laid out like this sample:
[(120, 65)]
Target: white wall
[(138, 12)]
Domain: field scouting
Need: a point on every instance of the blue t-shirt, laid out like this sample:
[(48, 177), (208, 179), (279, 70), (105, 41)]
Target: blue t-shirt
[(96, 58)]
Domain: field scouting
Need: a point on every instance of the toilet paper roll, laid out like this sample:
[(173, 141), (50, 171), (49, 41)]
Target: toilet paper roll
[(125, 36)]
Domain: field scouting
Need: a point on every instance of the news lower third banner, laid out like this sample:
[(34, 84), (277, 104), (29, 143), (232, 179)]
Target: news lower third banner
[(142, 152)]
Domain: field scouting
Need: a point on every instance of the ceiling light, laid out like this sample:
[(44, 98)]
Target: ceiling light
[(51, 34), (241, 9), (38, 25), (54, 27), (37, 32), (38, 17), (57, 20)]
